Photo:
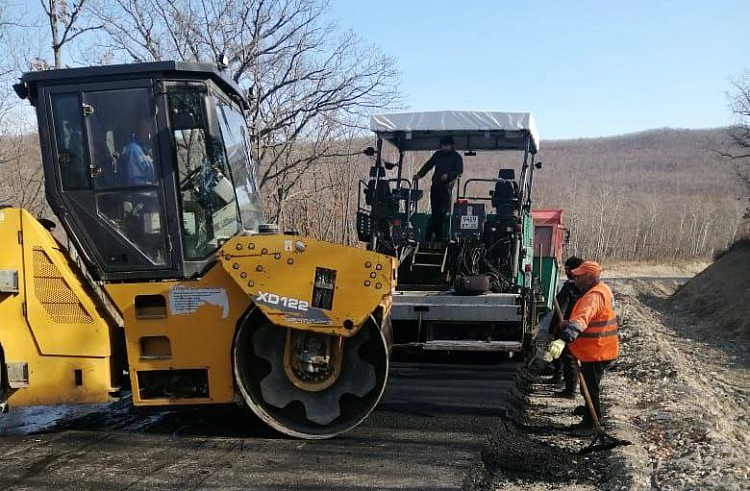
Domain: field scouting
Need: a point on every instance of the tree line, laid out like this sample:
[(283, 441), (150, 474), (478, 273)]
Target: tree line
[(658, 195)]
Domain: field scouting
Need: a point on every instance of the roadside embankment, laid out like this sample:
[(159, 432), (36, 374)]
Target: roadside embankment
[(645, 269), (718, 296), (684, 389)]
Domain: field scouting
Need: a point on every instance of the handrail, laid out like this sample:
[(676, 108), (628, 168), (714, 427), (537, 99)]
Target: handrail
[(483, 198)]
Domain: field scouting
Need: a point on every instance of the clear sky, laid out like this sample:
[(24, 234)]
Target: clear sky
[(584, 68)]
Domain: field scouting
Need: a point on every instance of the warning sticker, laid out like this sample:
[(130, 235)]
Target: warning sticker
[(183, 300)]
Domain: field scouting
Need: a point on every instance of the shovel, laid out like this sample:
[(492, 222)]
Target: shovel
[(602, 440)]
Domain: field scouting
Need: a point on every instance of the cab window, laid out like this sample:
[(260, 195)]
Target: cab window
[(235, 135), (107, 163), (71, 159), (123, 142), (208, 208), (122, 132)]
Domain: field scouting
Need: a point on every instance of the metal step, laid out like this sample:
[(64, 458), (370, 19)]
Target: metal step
[(427, 265), (464, 345)]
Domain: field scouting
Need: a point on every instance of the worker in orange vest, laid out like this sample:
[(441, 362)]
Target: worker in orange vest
[(591, 334)]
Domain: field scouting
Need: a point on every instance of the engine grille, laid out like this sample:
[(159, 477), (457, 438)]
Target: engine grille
[(56, 297)]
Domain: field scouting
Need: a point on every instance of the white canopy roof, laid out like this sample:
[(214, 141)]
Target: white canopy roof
[(471, 130)]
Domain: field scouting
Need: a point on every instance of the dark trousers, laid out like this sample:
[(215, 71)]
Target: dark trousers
[(592, 373), (568, 366), (440, 199)]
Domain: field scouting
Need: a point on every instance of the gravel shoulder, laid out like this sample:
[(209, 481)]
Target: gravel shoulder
[(684, 387)]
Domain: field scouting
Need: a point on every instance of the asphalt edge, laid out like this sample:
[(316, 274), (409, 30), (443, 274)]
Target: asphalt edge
[(480, 475), (628, 467)]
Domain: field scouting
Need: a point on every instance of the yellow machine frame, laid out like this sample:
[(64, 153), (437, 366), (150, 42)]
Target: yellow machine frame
[(56, 343), (60, 348)]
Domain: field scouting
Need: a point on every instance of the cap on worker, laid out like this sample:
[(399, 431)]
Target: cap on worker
[(590, 268)]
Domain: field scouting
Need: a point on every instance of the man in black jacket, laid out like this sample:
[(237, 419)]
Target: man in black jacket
[(566, 366), (448, 166)]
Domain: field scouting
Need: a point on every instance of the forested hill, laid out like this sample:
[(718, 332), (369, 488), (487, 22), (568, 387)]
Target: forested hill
[(657, 194), (660, 194)]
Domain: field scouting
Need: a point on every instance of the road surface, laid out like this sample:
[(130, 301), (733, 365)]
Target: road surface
[(427, 430)]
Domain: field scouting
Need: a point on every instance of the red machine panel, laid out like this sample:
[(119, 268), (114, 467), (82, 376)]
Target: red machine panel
[(549, 233)]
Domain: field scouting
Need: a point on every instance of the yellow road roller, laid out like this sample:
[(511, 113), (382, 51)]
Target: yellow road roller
[(168, 282)]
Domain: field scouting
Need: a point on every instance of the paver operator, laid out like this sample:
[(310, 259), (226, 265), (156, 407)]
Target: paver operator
[(591, 335), (448, 166)]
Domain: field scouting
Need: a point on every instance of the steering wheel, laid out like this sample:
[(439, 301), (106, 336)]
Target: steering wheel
[(188, 179)]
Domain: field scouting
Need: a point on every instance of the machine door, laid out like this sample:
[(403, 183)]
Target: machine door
[(111, 177)]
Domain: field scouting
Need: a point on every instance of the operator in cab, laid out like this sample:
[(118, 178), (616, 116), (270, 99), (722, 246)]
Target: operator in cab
[(448, 166)]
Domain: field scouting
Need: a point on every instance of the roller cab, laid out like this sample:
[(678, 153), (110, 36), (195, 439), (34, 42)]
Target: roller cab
[(148, 169)]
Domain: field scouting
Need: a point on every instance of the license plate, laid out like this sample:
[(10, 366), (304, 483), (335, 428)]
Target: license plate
[(469, 222)]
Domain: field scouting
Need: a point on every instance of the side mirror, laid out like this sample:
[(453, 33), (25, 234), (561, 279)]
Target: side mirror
[(222, 61), (369, 151), (538, 165), (21, 90)]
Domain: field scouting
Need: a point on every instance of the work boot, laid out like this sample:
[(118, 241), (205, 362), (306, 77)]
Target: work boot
[(556, 379), (566, 394), (584, 428), (548, 370), (580, 411)]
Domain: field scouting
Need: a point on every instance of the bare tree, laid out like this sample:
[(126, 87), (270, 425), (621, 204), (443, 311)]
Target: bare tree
[(21, 182), (65, 20), (740, 133), (7, 97), (739, 102), (308, 78), (22, 179)]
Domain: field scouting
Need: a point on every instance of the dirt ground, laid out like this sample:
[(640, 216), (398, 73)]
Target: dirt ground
[(679, 392), (685, 388), (653, 270)]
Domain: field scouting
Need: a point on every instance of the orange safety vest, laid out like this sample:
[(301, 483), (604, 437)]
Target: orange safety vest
[(599, 340)]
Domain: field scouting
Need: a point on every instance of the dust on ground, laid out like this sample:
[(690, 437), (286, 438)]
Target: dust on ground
[(642, 269), (685, 388)]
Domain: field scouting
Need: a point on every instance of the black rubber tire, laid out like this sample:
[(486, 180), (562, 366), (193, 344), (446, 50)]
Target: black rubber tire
[(250, 370)]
